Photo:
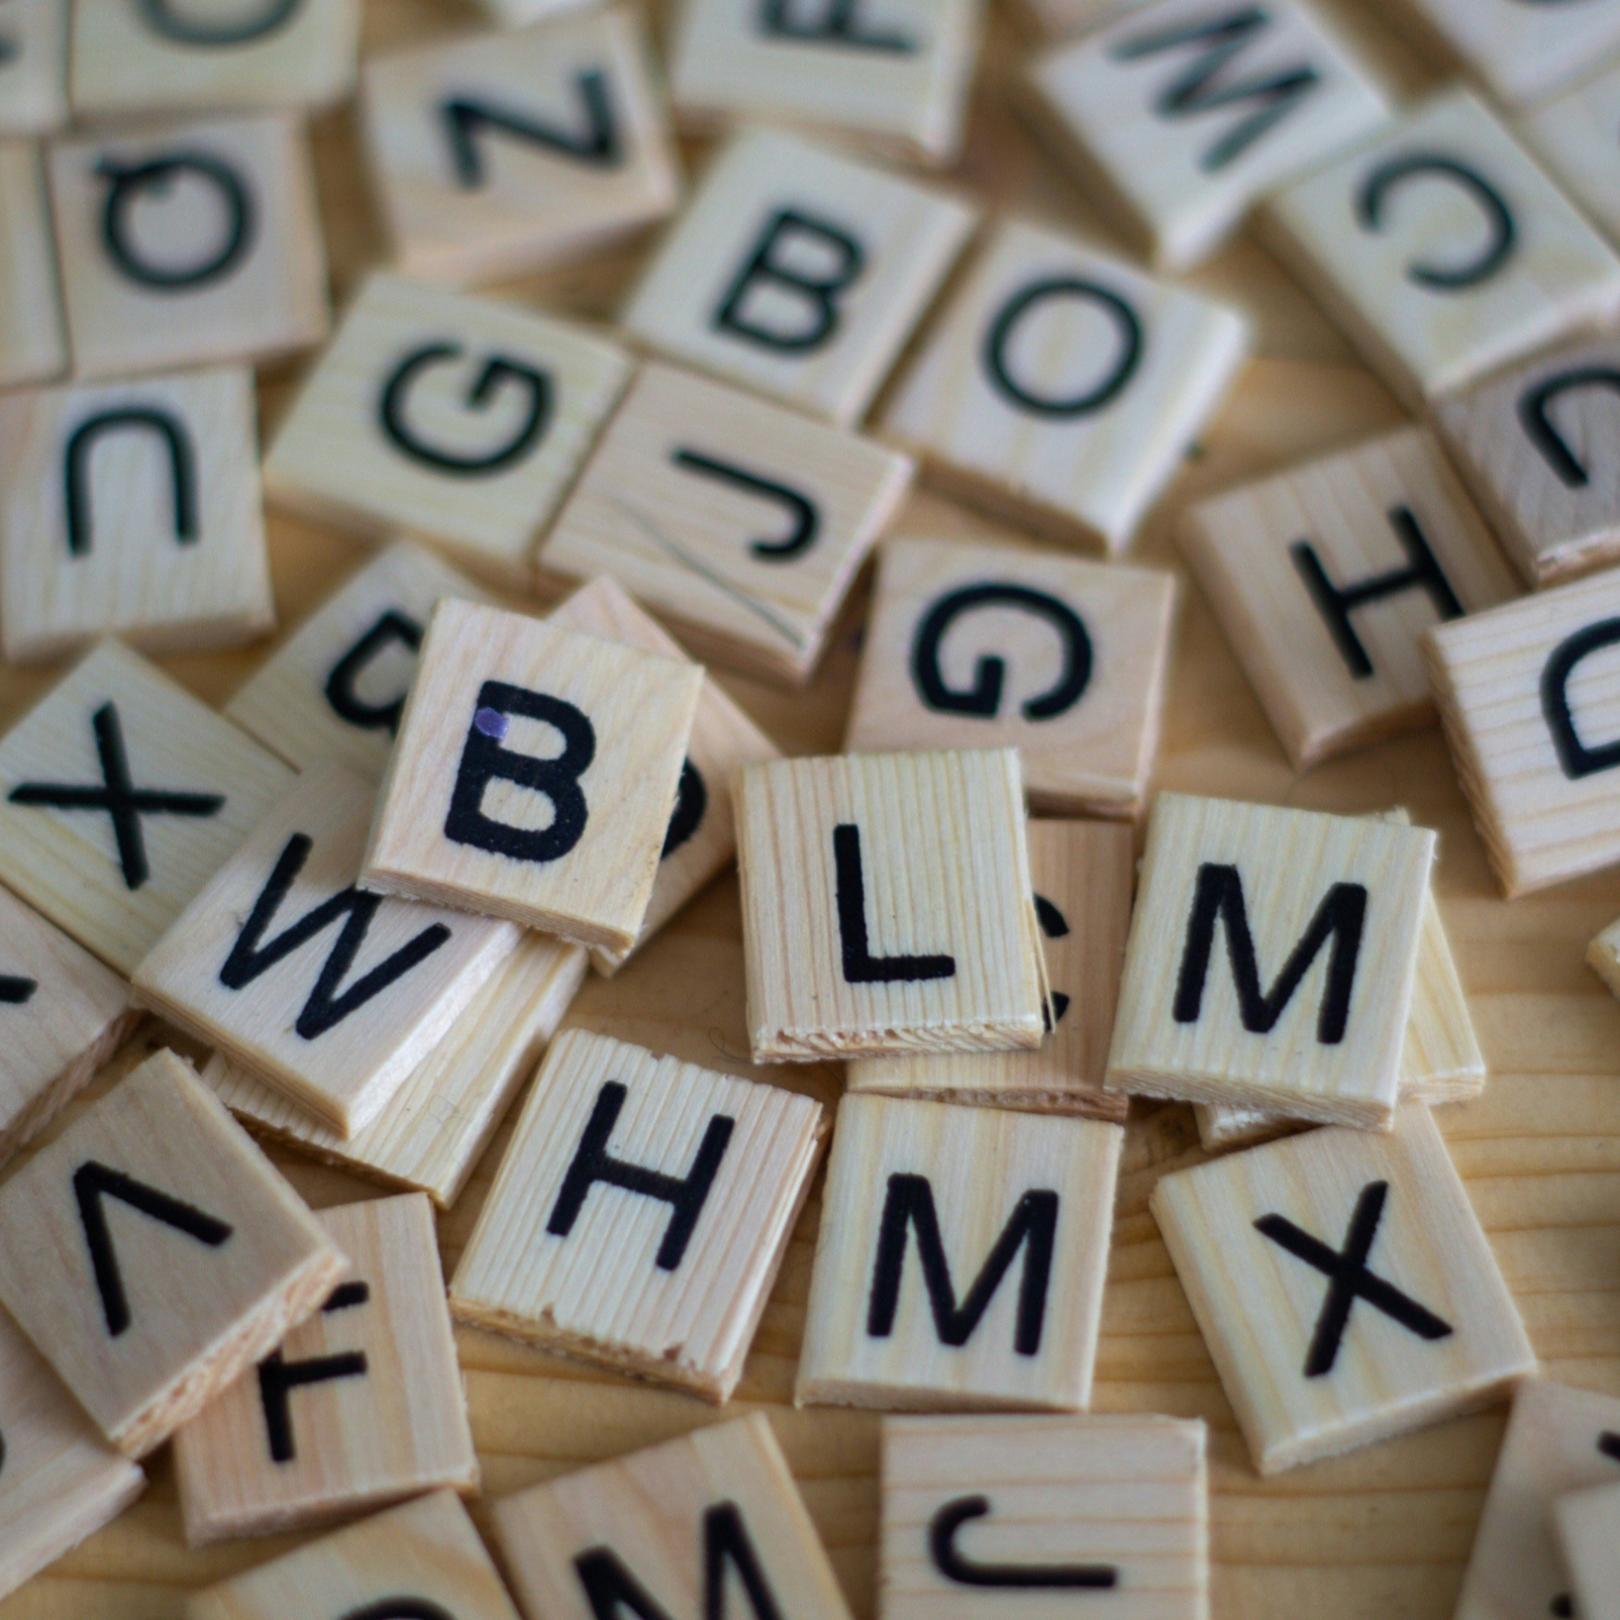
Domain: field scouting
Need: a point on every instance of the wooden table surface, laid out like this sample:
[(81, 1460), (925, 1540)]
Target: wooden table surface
[(1383, 1533)]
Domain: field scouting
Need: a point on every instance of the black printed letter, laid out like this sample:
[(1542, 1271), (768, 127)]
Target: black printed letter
[(1094, 398), (837, 24), (1504, 233), (806, 519), (597, 144), (1538, 426), (76, 469), (161, 18), (125, 185), (496, 373), (279, 1378), (860, 965), (1577, 758), (341, 685), (955, 1565), (817, 293)]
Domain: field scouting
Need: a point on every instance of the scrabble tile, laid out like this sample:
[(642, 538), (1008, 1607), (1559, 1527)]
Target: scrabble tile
[(424, 1559), (1531, 708), (1603, 956), (62, 1481), (894, 79), (1584, 1524), (120, 796), (797, 272), (330, 994), (864, 854), (182, 244), (1442, 250), (437, 1125), (640, 1214), (132, 508), (1344, 1288), (501, 154), (1082, 874), (33, 348), (742, 523), (1177, 119), (449, 419), (999, 1305), (179, 1257), (457, 820), (62, 1015), (1324, 578), (701, 839), (667, 1530), (974, 646), (33, 66), (359, 1407), (1558, 1440), (142, 56), (1573, 136), (1041, 1517), (1062, 389), (1532, 445), (1305, 1010)]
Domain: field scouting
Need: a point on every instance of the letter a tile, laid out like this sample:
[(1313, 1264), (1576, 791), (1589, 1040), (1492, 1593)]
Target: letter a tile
[(961, 1259), (867, 929), (329, 993), (640, 1214), (1271, 960), (178, 1256), (1043, 1518), (482, 810), (422, 1561), (1531, 703), (361, 1406), (1344, 1288), (670, 1530)]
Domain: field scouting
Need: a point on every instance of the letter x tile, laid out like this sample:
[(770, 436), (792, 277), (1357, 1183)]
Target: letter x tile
[(1344, 1288)]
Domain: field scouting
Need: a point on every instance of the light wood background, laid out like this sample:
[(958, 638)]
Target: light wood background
[(1381, 1534)]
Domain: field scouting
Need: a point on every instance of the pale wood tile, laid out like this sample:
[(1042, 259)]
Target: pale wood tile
[(120, 796), (866, 930), (455, 819), (1574, 136), (1344, 1288), (983, 646), (1584, 1524), (640, 1214), (33, 346), (33, 69), (455, 420), (1324, 578), (1044, 1517), (1603, 956), (332, 995), (798, 271), (177, 1255), (132, 508), (741, 522), (1178, 119), (1443, 250)]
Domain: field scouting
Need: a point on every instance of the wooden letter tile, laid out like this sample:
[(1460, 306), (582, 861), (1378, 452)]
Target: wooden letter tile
[(894, 80), (422, 1559), (741, 522), (144, 56), (1442, 250), (481, 809), (447, 418), (1044, 1518), (1344, 1288), (961, 1259), (184, 244), (132, 508), (1179, 117), (62, 1015), (1574, 136), (282, 963), (1062, 389), (33, 66), (503, 154), (1325, 577), (361, 1405), (1531, 705), (1585, 1523), (701, 839), (178, 1256), (640, 1214), (798, 272), (61, 1481), (1082, 874), (1087, 648), (668, 1531), (120, 796), (886, 906), (1534, 446), (33, 347), (1558, 1440), (1271, 959)]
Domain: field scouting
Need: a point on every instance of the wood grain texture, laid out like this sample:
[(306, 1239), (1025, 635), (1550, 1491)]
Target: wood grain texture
[(33, 77), (1067, 19), (33, 346), (1584, 1525), (1570, 135)]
